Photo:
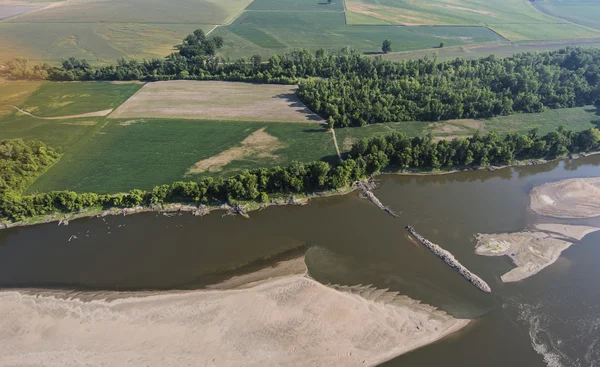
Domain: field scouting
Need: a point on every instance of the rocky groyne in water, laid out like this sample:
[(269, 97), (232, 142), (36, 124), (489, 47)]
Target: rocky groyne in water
[(365, 189), (451, 260)]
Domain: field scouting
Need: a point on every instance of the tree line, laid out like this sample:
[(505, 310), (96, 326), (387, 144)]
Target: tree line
[(366, 158), (350, 89)]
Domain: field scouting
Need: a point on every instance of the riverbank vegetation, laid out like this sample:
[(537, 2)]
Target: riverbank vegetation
[(366, 158)]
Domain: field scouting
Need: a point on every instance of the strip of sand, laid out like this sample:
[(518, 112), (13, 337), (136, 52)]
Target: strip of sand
[(289, 320), (88, 114), (531, 251)]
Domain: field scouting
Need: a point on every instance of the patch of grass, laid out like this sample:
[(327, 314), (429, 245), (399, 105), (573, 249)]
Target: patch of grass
[(296, 5), (540, 31), (364, 19), (114, 158), (72, 98), (575, 119), (15, 93), (457, 12), (99, 43), (139, 11), (583, 12), (502, 49), (314, 30)]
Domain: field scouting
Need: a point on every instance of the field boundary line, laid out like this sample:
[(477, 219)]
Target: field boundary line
[(337, 148), (498, 34), (102, 113), (230, 22)]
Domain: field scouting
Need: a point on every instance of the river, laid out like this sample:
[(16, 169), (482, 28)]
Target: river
[(550, 319)]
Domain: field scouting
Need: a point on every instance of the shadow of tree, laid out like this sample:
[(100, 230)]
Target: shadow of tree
[(294, 102)]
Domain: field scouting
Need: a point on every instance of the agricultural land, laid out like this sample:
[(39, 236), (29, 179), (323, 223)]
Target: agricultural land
[(103, 31), (108, 154)]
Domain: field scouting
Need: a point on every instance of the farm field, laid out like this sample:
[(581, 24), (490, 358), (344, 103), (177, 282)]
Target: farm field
[(446, 12), (499, 49), (7, 10), (544, 32), (72, 98), (15, 93), (208, 100), (120, 155), (585, 12), (296, 5), (267, 33), (102, 31)]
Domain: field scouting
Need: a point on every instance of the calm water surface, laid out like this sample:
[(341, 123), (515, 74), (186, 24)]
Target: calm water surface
[(551, 319)]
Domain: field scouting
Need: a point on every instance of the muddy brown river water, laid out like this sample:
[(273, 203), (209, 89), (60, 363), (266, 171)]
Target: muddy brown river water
[(550, 319)]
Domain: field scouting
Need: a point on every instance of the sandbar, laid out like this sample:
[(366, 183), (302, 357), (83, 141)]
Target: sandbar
[(572, 198), (289, 320)]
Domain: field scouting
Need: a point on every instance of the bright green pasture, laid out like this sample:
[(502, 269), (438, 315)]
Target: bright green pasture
[(585, 12), (72, 98), (99, 43), (456, 12), (116, 158), (266, 33), (543, 32), (297, 5)]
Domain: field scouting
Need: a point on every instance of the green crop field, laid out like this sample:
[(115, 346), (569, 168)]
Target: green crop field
[(542, 32), (117, 156), (297, 5), (72, 98), (266, 33), (585, 12)]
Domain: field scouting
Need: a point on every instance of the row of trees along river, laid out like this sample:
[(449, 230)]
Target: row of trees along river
[(350, 89), (367, 157)]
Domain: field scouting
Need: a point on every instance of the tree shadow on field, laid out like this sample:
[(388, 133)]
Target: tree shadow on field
[(294, 102)]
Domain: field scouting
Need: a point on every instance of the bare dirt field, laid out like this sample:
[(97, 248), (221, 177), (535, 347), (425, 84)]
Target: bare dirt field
[(259, 144), (288, 320), (208, 100)]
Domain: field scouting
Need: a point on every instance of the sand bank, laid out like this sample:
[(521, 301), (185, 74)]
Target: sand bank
[(531, 251), (290, 320), (572, 198)]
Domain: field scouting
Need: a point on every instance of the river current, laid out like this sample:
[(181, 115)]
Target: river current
[(550, 319)]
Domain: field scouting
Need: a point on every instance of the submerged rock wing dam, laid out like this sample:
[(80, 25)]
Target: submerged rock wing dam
[(451, 260)]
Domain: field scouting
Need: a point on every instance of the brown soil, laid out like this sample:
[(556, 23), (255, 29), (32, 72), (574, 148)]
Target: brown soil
[(258, 144), (209, 100)]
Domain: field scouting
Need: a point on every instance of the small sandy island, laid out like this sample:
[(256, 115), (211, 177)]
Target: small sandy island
[(289, 320), (531, 251), (573, 198)]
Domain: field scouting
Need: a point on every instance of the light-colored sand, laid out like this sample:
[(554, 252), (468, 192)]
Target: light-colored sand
[(81, 115), (286, 321), (259, 144), (209, 100), (572, 198), (531, 251)]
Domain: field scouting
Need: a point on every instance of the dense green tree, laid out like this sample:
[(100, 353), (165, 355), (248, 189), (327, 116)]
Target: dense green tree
[(386, 46)]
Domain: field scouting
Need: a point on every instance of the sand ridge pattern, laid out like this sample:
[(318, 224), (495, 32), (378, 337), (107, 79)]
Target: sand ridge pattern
[(572, 198), (81, 115), (259, 144), (212, 100), (290, 320)]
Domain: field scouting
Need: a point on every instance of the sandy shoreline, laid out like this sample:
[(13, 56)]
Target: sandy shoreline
[(572, 198), (276, 316)]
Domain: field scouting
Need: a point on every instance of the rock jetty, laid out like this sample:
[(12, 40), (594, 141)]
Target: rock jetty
[(365, 189), (451, 260)]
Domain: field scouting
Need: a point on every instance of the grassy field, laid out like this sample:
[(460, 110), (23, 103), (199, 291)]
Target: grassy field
[(543, 32), (210, 100), (72, 98), (585, 12), (138, 11), (102, 31), (15, 93), (575, 119), (296, 5), (115, 158), (266, 33), (444, 12), (499, 49)]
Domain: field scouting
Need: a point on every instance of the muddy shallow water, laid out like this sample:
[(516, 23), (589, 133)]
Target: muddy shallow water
[(552, 318)]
